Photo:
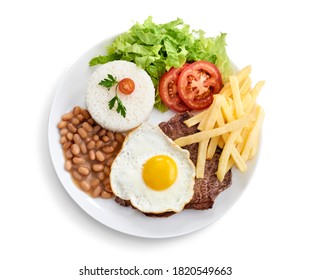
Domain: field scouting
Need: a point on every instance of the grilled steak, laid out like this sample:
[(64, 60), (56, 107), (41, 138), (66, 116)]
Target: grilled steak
[(206, 189)]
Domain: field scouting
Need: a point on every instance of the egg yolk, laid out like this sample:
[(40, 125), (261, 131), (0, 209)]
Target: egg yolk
[(159, 172)]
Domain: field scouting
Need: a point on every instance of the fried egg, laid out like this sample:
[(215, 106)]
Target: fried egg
[(152, 172)]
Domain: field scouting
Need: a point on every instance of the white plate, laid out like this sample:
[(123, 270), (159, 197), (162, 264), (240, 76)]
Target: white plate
[(71, 92)]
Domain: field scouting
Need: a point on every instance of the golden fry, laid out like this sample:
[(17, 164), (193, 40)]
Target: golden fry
[(236, 157), (246, 100), (221, 143), (226, 93), (209, 119), (196, 119), (254, 93), (254, 149), (208, 122), (212, 146), (236, 96), (245, 88), (226, 152), (254, 133), (227, 112), (228, 127), (201, 158), (242, 75), (257, 88)]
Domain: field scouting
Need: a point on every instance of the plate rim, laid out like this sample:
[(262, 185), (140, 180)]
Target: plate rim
[(102, 45)]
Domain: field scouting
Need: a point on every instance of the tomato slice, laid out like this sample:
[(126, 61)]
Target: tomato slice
[(168, 90), (126, 86), (197, 83)]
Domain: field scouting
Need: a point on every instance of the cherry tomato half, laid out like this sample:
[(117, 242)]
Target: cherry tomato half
[(168, 90), (126, 86), (197, 83)]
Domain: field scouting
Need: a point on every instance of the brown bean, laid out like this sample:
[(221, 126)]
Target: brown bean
[(75, 121), (96, 128), (95, 182), (110, 134), (86, 114), (110, 161), (78, 160), (106, 195), (82, 132), (67, 117), (80, 117), (106, 182), (75, 149), (98, 167), (63, 131), (101, 176), (105, 138), (89, 151), (69, 136), (114, 144), (76, 110), (61, 124), (108, 188), (77, 138), (68, 154), (97, 191), (119, 137), (85, 186), (91, 145), (63, 140), (83, 170), (68, 164), (87, 127), (99, 144), (87, 139), (92, 155), (102, 132), (77, 175), (91, 121), (107, 170), (83, 148), (108, 149), (66, 146), (100, 156), (72, 128)]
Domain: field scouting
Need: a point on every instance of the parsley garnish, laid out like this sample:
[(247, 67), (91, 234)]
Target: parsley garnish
[(120, 108), (109, 83)]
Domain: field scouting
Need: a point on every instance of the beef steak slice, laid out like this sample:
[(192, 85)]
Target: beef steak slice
[(205, 189)]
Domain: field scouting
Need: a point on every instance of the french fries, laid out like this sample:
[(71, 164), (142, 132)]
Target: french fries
[(207, 122), (233, 123), (206, 134)]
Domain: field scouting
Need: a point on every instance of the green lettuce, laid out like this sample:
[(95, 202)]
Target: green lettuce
[(158, 47)]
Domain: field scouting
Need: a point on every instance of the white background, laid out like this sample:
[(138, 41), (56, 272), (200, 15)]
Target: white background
[(45, 235)]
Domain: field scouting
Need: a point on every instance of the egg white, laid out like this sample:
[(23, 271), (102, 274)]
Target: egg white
[(126, 172)]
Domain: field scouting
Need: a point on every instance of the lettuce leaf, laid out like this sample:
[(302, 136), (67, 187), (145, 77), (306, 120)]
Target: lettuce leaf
[(158, 47)]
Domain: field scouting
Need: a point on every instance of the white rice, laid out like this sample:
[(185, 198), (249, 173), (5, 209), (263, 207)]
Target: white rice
[(138, 104)]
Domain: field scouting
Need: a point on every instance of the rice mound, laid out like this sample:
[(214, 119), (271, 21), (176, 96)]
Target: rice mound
[(138, 104)]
